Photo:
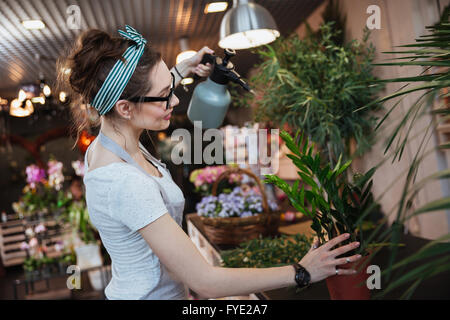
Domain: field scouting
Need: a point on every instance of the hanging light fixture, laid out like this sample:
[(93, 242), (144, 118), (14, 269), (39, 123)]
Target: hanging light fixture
[(247, 25), (46, 90), (16, 109), (216, 7), (185, 52), (183, 55), (62, 96), (33, 24)]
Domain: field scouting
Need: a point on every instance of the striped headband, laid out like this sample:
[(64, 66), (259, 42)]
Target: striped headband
[(120, 74)]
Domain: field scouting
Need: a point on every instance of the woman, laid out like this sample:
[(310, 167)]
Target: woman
[(131, 198)]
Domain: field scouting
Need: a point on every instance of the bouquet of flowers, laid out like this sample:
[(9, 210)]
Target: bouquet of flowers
[(42, 192), (204, 178), (238, 203)]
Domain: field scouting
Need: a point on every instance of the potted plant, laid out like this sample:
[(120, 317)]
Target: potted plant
[(86, 246), (43, 194), (267, 252), (314, 84), (432, 53), (334, 205)]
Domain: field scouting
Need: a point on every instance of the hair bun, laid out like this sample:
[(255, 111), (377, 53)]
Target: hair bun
[(83, 67)]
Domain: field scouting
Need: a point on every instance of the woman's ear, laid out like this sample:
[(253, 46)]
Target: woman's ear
[(125, 109)]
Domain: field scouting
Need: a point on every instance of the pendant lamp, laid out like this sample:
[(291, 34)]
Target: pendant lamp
[(247, 25)]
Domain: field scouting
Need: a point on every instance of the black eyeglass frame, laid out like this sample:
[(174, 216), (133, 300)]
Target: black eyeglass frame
[(157, 99)]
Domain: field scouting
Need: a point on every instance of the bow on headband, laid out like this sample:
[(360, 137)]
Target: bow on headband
[(132, 34), (121, 73)]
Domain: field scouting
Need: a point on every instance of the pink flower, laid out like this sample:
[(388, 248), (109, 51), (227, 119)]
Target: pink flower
[(282, 197), (40, 228), (255, 189), (55, 175), (289, 216), (33, 242), (54, 167), (78, 166), (24, 246), (58, 247), (34, 175)]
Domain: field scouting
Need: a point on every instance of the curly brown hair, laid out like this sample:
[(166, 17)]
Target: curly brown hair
[(84, 66)]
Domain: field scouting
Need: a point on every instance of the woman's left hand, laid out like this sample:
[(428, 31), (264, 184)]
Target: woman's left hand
[(194, 65)]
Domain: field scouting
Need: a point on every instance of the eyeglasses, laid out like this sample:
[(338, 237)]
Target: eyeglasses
[(156, 99)]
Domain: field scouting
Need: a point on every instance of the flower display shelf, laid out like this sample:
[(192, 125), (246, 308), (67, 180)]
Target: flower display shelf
[(12, 234), (235, 230)]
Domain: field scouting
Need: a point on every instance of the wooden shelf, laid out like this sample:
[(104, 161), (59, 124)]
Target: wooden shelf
[(12, 234)]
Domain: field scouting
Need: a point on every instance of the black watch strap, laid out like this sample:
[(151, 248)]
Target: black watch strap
[(302, 276)]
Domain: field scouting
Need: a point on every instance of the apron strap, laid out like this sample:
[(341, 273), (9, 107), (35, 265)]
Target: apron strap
[(115, 148)]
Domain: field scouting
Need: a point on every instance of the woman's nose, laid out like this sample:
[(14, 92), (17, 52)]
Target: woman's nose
[(174, 101)]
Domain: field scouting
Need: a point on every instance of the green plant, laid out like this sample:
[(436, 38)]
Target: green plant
[(32, 264), (432, 52), (333, 204), (78, 217), (267, 252), (314, 85)]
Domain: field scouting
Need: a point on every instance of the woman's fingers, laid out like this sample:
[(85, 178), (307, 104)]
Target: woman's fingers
[(315, 244), (333, 242), (346, 260), (344, 249), (203, 67), (343, 272), (206, 49), (203, 70)]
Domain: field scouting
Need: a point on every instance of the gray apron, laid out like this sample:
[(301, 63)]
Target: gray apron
[(167, 288)]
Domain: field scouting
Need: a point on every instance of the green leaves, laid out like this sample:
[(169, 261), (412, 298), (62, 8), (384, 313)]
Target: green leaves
[(317, 191), (314, 84), (432, 52), (265, 253)]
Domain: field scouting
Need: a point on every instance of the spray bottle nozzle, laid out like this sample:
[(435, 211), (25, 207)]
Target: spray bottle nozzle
[(224, 69), (236, 78), (229, 53)]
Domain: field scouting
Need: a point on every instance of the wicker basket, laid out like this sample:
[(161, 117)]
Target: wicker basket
[(235, 230)]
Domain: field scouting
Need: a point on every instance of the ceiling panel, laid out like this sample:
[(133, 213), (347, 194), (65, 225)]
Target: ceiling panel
[(162, 22)]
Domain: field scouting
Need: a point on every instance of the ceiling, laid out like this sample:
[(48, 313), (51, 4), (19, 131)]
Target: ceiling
[(162, 22)]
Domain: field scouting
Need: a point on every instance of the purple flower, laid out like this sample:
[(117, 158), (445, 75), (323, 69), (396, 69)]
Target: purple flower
[(34, 175), (235, 204), (246, 214), (24, 246), (273, 205), (40, 228)]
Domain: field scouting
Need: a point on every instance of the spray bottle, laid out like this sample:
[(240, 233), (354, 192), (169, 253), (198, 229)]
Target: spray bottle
[(210, 99)]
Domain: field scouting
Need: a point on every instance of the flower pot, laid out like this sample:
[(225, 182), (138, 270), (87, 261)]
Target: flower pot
[(350, 287), (97, 278), (89, 256)]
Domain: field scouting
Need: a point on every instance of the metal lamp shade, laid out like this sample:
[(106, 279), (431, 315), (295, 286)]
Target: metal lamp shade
[(247, 25)]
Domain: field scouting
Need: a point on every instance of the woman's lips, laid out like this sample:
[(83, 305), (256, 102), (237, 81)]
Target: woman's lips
[(168, 116)]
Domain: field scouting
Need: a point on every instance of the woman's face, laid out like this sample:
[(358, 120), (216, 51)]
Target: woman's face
[(150, 115)]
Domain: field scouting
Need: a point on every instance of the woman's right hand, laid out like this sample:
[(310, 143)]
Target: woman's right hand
[(320, 261)]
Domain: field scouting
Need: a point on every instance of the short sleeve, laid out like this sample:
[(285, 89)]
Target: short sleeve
[(135, 200)]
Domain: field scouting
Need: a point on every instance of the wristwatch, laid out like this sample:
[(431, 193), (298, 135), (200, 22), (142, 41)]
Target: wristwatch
[(302, 276)]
